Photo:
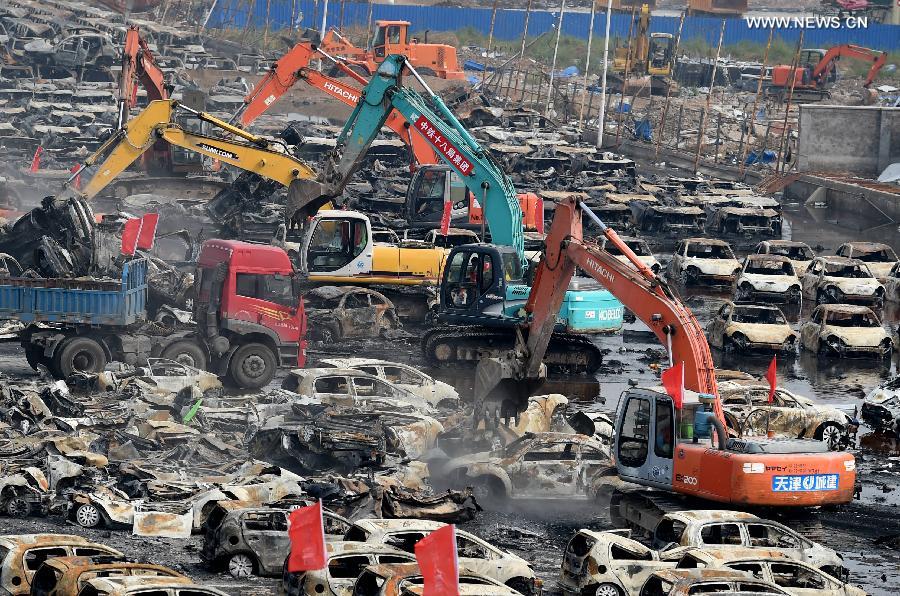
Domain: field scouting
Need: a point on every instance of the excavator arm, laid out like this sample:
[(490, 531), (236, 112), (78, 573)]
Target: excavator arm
[(638, 288), (433, 121), (876, 58), (155, 123), (138, 65), (293, 67)]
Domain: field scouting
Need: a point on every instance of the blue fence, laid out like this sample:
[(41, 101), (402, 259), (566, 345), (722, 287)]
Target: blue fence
[(509, 23)]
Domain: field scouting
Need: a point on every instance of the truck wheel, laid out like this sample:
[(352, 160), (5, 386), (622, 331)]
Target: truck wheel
[(79, 354), (252, 366), (186, 352)]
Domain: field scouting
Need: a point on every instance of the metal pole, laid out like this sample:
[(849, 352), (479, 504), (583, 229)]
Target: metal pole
[(266, 31), (632, 30), (665, 113), (490, 42), (602, 124), (369, 23), (712, 84), (324, 17), (562, 11), (787, 107), (525, 29), (341, 18), (759, 84), (587, 61), (293, 15)]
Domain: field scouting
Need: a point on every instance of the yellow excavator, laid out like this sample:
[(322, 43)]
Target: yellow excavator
[(648, 59), (389, 263)]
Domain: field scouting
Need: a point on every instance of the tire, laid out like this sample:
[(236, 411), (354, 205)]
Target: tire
[(18, 507), (522, 585), (241, 566), (186, 352), (34, 356), (831, 434), (79, 354), (608, 590), (88, 516), (252, 366)]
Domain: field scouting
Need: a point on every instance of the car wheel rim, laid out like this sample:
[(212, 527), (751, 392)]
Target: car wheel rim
[(607, 590), (87, 516), (18, 507), (240, 566), (832, 436)]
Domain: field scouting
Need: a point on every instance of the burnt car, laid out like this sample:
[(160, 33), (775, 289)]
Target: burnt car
[(352, 387), (704, 260), (608, 563), (796, 577), (751, 328), (881, 407), (845, 330), (892, 284), (746, 406), (715, 528), (684, 582), (768, 277), (254, 540), (800, 254), (473, 553), (24, 492), (345, 561), (663, 219), (23, 554), (348, 312), (436, 393), (839, 280), (748, 221), (142, 586), (878, 257), (546, 465), (638, 246), (62, 576), (405, 579)]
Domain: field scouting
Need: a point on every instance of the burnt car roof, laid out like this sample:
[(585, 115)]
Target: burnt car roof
[(845, 308), (767, 257), (836, 260), (715, 241), (785, 243), (867, 246)]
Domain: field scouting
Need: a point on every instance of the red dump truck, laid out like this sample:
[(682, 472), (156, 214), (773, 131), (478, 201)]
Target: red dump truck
[(248, 317)]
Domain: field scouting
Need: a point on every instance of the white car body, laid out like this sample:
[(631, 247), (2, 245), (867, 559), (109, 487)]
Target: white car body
[(404, 376), (822, 334), (825, 280), (800, 254), (779, 282), (691, 266)]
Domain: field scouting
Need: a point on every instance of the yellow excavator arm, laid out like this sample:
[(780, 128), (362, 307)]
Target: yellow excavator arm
[(254, 154)]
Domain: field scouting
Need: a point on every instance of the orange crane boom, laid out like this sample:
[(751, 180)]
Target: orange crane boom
[(878, 59), (294, 67)]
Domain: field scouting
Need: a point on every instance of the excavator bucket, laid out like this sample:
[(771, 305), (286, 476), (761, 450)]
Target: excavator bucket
[(304, 199), (502, 389)]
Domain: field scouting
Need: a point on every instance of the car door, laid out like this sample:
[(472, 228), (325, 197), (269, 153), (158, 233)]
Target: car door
[(802, 580), (477, 556), (811, 330), (591, 462), (357, 315), (810, 279), (333, 389), (33, 558), (265, 534), (721, 534), (342, 572), (716, 328), (411, 380), (545, 469)]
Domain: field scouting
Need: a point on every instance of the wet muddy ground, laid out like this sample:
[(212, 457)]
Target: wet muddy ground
[(538, 531)]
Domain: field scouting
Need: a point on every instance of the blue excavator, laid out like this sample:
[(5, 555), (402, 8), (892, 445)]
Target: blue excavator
[(481, 301)]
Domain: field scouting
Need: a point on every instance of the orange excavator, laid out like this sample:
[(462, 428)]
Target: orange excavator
[(391, 38), (817, 68), (658, 443), (139, 67), (294, 67)]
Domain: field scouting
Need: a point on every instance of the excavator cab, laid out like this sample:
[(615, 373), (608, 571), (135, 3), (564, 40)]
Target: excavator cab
[(661, 54), (390, 38), (425, 197), (482, 281)]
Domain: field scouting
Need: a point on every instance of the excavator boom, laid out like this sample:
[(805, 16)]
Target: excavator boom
[(294, 67), (156, 123), (878, 60), (433, 121)]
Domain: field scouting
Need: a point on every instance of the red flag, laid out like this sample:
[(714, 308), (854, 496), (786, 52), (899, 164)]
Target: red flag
[(772, 377), (436, 555), (148, 231), (36, 160), (445, 218), (307, 534), (539, 215), (76, 182), (673, 381), (130, 234)]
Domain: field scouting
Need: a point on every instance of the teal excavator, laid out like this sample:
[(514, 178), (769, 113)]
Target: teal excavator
[(480, 306)]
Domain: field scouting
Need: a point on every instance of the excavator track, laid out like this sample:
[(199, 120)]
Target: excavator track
[(567, 352)]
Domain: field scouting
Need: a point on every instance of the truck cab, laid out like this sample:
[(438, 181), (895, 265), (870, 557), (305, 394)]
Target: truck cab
[(249, 310)]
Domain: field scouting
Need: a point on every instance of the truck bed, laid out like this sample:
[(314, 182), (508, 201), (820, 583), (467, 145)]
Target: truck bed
[(77, 301)]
